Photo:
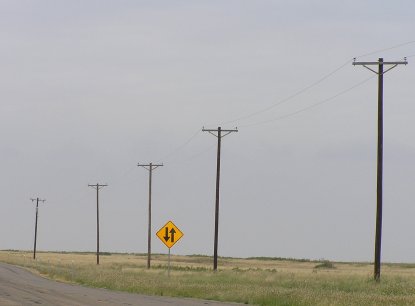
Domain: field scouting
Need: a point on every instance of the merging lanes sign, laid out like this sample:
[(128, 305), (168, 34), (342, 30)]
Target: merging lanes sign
[(169, 234)]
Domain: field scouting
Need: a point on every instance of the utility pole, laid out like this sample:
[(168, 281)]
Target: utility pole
[(218, 134), (378, 238), (150, 167), (37, 211), (97, 187)]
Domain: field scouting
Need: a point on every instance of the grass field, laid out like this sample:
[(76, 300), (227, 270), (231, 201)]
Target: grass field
[(257, 281)]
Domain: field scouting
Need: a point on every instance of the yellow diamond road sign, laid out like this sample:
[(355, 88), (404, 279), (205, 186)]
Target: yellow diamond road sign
[(169, 234)]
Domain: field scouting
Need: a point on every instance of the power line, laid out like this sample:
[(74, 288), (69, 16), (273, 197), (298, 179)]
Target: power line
[(301, 91), (314, 83), (311, 106), (172, 153), (194, 156), (122, 176), (183, 145), (387, 49)]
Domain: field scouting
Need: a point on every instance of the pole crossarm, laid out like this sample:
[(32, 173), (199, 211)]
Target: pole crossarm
[(98, 186), (150, 166), (366, 64), (37, 200), (213, 131)]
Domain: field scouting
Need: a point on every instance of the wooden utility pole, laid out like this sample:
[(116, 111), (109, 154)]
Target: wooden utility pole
[(97, 187), (379, 190), (218, 134), (150, 167), (37, 211)]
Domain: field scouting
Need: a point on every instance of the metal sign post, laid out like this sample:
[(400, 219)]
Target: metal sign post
[(168, 268), (169, 234)]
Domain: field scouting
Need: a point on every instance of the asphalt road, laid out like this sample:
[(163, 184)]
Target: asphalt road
[(19, 287)]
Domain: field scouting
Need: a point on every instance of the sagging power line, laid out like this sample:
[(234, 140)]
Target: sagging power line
[(386, 49), (301, 110), (313, 84), (290, 97), (180, 147)]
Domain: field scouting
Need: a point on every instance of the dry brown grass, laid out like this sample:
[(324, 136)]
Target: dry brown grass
[(253, 281)]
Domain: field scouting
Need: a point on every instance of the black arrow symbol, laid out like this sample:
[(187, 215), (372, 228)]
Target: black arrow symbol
[(166, 236), (172, 232)]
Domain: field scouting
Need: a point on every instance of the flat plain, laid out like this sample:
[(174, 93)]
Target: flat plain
[(256, 281)]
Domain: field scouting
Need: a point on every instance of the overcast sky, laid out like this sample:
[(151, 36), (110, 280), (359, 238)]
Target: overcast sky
[(88, 89)]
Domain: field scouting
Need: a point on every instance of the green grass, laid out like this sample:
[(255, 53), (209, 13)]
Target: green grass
[(325, 265), (256, 281)]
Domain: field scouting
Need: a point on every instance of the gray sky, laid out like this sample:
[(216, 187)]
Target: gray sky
[(90, 88)]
